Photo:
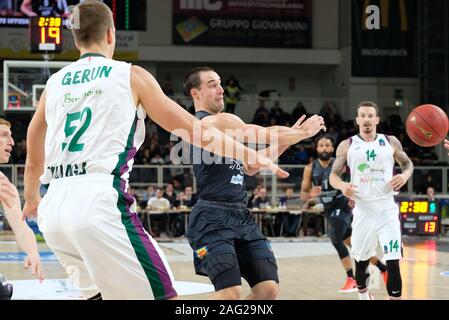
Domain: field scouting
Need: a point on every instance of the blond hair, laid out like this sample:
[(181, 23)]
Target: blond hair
[(5, 122)]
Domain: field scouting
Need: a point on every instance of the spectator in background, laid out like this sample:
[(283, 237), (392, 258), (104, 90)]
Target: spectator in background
[(170, 194), (19, 153), (431, 194), (149, 193), (6, 8), (298, 111), (250, 202), (157, 159), (261, 199), (290, 221), (167, 87), (301, 155), (428, 181), (262, 115), (154, 146), (159, 202), (278, 114), (158, 220), (189, 198), (49, 8), (231, 95), (177, 186)]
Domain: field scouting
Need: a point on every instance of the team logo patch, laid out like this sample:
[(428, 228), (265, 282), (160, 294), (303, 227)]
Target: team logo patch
[(382, 142), (385, 249), (238, 179), (201, 252), (362, 167)]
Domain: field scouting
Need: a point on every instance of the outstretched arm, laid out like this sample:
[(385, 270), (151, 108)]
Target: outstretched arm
[(9, 197), (404, 162), (278, 137), (173, 118), (274, 135), (26, 8)]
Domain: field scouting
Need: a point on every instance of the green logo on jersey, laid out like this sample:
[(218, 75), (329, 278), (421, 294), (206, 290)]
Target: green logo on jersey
[(86, 75), (362, 167), (69, 98)]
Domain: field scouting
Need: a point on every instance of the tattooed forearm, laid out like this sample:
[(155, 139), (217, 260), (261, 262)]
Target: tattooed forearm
[(401, 157), (341, 158)]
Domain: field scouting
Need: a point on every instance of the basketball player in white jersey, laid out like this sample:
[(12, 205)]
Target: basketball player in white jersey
[(10, 200), (81, 141), (371, 157)]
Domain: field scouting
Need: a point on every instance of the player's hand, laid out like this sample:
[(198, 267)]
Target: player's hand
[(30, 208), (350, 191), (8, 193), (315, 191), (311, 126), (265, 163), (446, 144), (33, 262), (351, 203), (398, 181)]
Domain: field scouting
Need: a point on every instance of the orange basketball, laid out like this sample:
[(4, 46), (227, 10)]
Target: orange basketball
[(427, 125)]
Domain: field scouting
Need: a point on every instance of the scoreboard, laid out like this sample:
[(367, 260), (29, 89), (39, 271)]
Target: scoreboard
[(420, 217), (46, 34)]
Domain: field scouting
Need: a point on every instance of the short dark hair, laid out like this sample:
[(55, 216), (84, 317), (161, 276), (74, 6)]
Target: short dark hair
[(192, 79), (324, 136), (95, 18), (368, 104)]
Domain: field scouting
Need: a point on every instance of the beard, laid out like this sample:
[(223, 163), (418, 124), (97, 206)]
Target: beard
[(324, 156)]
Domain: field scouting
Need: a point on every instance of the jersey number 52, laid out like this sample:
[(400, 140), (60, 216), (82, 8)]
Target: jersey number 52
[(76, 130)]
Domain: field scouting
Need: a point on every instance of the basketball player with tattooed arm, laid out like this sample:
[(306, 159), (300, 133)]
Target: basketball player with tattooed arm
[(371, 157)]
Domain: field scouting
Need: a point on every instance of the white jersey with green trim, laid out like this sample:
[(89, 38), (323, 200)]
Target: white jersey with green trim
[(371, 165), (93, 125)]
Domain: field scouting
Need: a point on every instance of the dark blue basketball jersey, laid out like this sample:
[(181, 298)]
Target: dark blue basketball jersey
[(331, 198), (217, 178)]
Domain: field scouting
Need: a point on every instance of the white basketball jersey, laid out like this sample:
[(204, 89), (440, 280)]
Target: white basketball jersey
[(93, 123), (371, 165)]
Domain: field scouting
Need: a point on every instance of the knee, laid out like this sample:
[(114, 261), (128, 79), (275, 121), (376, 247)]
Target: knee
[(271, 292), (268, 291), (232, 293)]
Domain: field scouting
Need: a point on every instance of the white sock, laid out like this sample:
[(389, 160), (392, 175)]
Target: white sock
[(364, 295)]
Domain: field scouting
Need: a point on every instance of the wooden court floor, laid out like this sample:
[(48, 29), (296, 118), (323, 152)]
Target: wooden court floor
[(308, 268)]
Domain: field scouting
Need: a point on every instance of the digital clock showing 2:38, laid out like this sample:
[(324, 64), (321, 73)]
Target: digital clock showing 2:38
[(419, 217), (46, 34)]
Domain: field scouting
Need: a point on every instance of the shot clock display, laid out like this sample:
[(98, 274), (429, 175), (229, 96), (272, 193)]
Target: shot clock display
[(419, 217), (46, 34)]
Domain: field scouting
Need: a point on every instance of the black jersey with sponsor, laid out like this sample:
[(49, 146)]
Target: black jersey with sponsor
[(217, 178), (48, 8), (331, 198)]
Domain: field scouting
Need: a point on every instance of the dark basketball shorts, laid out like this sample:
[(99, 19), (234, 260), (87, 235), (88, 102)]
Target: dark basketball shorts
[(228, 244)]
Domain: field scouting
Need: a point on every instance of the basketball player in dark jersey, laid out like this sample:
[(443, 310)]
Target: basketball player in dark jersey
[(337, 209), (45, 8), (227, 242)]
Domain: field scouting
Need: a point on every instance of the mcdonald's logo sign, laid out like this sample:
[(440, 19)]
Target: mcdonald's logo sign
[(372, 12)]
